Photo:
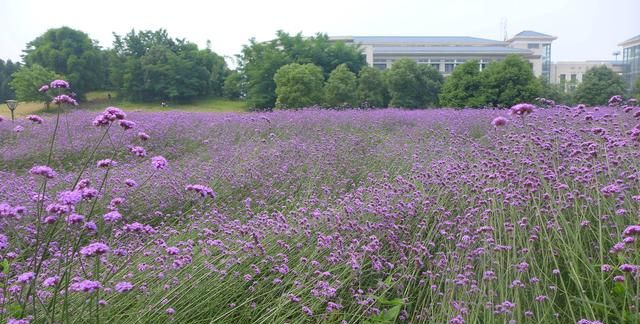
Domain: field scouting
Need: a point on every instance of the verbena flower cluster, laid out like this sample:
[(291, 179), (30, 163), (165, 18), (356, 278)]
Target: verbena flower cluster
[(433, 216)]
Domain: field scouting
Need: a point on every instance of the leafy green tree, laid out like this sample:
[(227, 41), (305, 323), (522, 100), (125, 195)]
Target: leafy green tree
[(259, 61), (6, 70), (636, 92), (340, 89), (598, 85), (554, 92), (298, 85), (71, 53), (233, 86), (463, 88), (412, 85), (510, 81), (371, 90), (28, 79), (151, 66)]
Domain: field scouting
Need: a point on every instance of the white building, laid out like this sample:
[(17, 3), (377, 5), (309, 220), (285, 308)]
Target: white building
[(631, 60), (446, 52), (570, 74)]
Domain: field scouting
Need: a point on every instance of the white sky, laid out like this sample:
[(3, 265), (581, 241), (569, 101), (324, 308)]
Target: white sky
[(586, 29)]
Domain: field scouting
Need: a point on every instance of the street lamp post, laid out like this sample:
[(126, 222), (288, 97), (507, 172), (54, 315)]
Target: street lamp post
[(12, 104)]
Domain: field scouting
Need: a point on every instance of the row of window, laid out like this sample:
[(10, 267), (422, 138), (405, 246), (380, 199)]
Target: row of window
[(448, 67), (563, 77)]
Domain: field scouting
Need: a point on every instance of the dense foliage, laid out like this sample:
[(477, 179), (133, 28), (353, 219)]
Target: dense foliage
[(298, 85), (431, 216), (340, 88), (28, 79), (372, 91), (233, 86), (259, 62), (508, 82), (6, 70), (413, 85), (151, 66), (463, 88), (70, 53), (598, 85)]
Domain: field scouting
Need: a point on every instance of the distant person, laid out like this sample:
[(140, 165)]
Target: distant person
[(109, 96), (163, 104)]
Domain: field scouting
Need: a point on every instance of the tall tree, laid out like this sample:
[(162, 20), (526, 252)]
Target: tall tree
[(463, 88), (71, 53), (509, 82), (411, 85), (598, 85), (151, 66), (340, 89), (298, 85), (28, 79), (372, 91), (6, 70), (233, 87), (636, 87), (259, 61)]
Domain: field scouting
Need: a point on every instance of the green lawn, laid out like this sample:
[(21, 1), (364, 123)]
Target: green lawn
[(98, 100)]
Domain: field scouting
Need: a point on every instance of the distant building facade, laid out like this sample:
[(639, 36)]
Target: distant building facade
[(631, 60), (445, 53), (570, 74)]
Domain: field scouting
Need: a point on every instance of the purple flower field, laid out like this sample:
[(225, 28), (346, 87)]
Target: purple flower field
[(317, 216)]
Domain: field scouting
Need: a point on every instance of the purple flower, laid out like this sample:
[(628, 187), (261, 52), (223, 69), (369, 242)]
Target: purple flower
[(18, 129), (123, 286), (331, 306), (172, 250), (606, 268), (615, 100), (43, 170), (71, 198), (130, 183), (143, 136), (628, 267), (75, 219), (26, 277), (35, 119), (611, 189), (522, 109), (499, 121), (631, 230), (159, 162), (64, 99), (127, 124), (87, 286), (59, 84), (96, 248), (112, 216), (307, 311), (51, 281), (44, 88), (138, 151), (170, 311), (204, 191), (106, 163)]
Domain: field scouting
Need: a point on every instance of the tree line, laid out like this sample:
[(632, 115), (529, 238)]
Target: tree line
[(289, 71)]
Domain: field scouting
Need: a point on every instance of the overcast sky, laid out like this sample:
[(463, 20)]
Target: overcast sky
[(586, 29)]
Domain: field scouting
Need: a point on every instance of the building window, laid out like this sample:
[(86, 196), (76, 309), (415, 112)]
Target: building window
[(573, 77), (563, 78), (533, 45), (436, 66), (448, 68), (380, 66)]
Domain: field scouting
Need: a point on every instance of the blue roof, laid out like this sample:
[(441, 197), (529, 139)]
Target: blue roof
[(450, 49), (423, 39), (531, 33)]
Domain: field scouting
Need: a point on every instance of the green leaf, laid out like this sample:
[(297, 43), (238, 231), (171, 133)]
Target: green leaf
[(391, 314), (5, 266)]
